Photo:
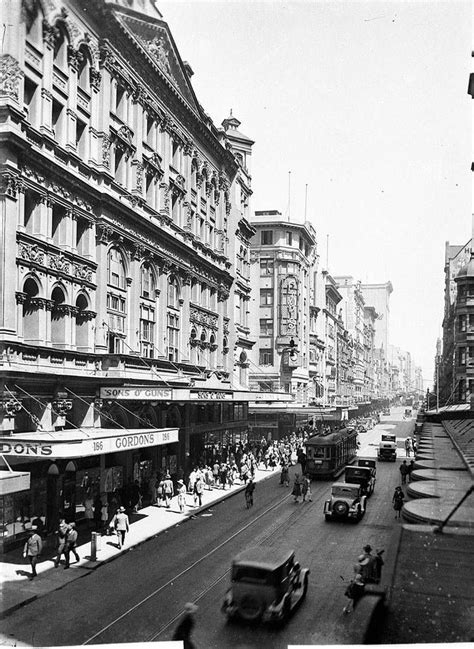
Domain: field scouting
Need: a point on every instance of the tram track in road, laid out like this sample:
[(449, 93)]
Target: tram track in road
[(185, 571), (258, 540)]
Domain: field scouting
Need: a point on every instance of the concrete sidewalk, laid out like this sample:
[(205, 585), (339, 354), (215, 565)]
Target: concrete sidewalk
[(431, 595), (17, 589)]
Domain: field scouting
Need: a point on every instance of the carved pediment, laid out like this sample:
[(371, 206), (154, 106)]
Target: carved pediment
[(157, 42)]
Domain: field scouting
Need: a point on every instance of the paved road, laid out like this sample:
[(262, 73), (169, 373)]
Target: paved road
[(140, 596)]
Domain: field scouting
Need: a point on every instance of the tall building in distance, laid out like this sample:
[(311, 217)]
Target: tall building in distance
[(378, 296), (283, 256)]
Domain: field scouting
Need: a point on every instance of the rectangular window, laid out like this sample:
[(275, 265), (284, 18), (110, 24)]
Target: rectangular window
[(266, 327), (150, 190), (265, 357), (58, 225), (266, 297), (289, 238), (120, 102), (81, 139), (147, 330), (173, 337), (57, 121), (120, 166), (31, 95), (82, 227), (266, 267), (267, 237)]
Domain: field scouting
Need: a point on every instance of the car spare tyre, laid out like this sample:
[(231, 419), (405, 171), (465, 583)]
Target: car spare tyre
[(340, 508), (250, 608)]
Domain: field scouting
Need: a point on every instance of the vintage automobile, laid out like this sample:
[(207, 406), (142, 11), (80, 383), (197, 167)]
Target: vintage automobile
[(347, 502), (387, 449), (369, 462), (267, 585), (386, 411), (361, 475)]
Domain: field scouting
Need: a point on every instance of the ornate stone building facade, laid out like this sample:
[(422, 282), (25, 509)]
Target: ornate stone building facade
[(123, 246)]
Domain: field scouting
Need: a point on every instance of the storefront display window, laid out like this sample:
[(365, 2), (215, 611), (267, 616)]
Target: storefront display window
[(15, 515)]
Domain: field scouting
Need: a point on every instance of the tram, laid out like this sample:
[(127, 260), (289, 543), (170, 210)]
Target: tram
[(326, 455)]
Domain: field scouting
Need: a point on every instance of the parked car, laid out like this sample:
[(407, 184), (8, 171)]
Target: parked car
[(386, 411), (362, 476), (347, 502), (267, 585), (387, 449)]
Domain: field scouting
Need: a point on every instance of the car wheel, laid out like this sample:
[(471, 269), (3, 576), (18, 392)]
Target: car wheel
[(340, 508), (286, 609), (250, 608)]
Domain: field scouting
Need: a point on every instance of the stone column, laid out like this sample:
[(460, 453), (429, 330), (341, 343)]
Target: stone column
[(49, 37), (9, 193), (103, 235)]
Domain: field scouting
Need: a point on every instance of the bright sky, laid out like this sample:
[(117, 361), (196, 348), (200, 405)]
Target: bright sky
[(367, 104)]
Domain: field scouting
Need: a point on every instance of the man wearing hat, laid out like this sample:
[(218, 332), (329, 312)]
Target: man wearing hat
[(368, 566), (32, 549), (121, 524), (184, 628)]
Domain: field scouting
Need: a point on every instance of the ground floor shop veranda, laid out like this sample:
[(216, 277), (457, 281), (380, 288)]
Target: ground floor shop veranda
[(67, 451)]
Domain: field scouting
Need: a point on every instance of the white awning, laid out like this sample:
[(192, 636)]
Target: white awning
[(13, 481), (84, 442)]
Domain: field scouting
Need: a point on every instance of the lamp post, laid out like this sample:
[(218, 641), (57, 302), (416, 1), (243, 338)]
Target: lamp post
[(437, 383)]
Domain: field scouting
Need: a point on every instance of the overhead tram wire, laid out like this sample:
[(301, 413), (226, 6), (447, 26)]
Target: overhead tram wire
[(130, 412), (142, 360), (42, 403)]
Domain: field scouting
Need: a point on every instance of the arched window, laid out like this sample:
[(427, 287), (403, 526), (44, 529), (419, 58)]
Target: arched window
[(116, 301), (115, 268), (193, 345), (58, 317), (83, 72), (34, 24), (31, 312), (60, 48), (173, 293), (173, 320), (147, 312), (82, 323), (212, 351), (147, 282)]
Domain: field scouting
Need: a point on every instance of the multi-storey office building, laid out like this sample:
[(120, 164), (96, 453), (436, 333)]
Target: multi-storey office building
[(119, 258), (456, 258), (463, 336), (353, 317), (283, 260), (371, 388)]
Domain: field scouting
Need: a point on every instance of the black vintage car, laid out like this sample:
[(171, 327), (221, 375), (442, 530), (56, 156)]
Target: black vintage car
[(267, 585), (362, 475)]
